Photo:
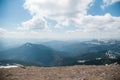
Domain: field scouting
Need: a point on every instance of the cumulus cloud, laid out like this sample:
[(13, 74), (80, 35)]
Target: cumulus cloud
[(69, 13), (98, 23), (108, 3), (57, 8), (60, 11), (2, 32), (36, 23)]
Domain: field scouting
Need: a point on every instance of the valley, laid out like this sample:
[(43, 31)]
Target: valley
[(63, 53)]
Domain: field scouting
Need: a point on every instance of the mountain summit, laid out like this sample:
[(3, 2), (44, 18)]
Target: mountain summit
[(30, 54)]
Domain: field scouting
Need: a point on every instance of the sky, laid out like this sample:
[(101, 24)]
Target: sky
[(63, 19)]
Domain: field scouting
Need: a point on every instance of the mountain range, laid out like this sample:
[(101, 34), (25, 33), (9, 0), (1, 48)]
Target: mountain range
[(63, 53)]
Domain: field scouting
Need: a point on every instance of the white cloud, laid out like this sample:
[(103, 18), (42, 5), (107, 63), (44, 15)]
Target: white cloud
[(2, 32), (98, 23), (36, 23), (59, 11), (57, 8), (77, 34), (67, 13), (108, 3)]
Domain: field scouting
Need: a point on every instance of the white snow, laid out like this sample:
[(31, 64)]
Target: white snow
[(110, 54), (98, 58), (10, 66), (82, 61)]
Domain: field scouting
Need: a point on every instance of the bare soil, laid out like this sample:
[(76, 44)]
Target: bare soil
[(111, 72)]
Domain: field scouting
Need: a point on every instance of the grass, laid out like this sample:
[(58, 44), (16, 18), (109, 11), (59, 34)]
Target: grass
[(111, 72)]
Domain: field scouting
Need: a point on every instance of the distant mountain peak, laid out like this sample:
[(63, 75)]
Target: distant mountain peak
[(28, 44)]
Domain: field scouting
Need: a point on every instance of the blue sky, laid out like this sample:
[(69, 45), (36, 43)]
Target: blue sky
[(114, 9), (59, 19), (12, 13)]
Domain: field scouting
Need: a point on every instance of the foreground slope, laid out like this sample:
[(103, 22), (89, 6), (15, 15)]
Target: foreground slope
[(111, 72)]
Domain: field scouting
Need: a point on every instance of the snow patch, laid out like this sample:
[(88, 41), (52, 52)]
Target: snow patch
[(12, 66)]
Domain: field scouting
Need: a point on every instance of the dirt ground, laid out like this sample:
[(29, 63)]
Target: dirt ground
[(83, 72)]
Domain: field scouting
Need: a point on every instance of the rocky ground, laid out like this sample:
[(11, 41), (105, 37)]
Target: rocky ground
[(111, 72)]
